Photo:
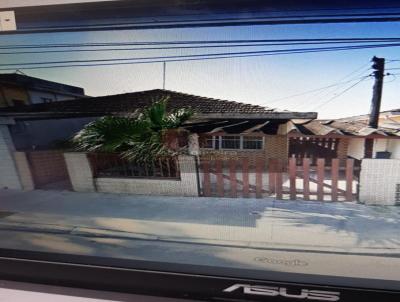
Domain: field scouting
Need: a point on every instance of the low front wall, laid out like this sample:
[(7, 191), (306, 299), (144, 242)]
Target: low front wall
[(9, 177), (380, 181), (80, 172), (24, 171), (83, 181)]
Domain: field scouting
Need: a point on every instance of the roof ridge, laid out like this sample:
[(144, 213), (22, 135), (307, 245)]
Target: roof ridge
[(210, 98)]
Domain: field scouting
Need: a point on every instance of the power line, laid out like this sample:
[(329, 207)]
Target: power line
[(394, 78), (219, 22), (338, 95), (170, 60), (203, 56), (143, 43), (178, 47), (321, 88), (331, 92)]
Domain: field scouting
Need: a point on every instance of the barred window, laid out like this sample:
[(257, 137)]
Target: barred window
[(209, 142), (230, 142), (252, 142)]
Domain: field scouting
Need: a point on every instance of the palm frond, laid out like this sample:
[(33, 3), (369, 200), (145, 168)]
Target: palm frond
[(137, 139)]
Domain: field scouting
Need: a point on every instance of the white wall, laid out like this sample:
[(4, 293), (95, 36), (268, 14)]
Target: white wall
[(80, 172), (380, 145), (82, 179), (378, 181), (24, 171), (9, 177), (394, 147), (36, 96), (185, 186), (356, 148)]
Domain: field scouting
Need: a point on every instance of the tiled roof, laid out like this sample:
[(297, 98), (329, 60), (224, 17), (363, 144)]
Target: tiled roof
[(131, 102), (352, 128)]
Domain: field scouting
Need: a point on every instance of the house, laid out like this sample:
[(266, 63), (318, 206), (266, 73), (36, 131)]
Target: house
[(38, 125), (384, 143), (225, 128), (43, 126), (385, 117), (225, 131), (19, 89), (343, 138)]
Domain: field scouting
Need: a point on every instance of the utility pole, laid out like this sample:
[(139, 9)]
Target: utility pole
[(378, 65), (164, 73)]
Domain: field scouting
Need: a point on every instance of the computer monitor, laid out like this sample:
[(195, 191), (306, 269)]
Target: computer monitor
[(198, 149)]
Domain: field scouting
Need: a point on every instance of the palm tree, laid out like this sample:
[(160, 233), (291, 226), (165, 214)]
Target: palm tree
[(138, 139)]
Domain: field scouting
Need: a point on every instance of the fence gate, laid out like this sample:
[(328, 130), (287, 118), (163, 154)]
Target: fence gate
[(49, 170), (281, 179), (313, 148)]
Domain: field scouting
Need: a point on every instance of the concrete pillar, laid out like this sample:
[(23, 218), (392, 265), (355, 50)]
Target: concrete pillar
[(80, 172), (380, 181), (9, 178), (24, 171), (190, 182), (194, 146)]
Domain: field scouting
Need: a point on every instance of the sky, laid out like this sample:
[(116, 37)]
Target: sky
[(255, 80)]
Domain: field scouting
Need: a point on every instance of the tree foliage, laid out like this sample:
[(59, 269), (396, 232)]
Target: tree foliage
[(138, 139)]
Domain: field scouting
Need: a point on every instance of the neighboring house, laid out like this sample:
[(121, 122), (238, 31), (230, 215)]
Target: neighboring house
[(343, 138), (385, 117), (385, 136), (19, 89)]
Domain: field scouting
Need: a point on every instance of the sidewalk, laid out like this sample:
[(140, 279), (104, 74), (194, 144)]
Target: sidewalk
[(251, 223)]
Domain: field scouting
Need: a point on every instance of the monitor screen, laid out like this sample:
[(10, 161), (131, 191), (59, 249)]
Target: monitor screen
[(249, 140)]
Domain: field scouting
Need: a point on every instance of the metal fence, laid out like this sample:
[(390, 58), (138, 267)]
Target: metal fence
[(114, 165)]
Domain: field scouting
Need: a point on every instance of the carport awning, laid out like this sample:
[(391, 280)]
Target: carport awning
[(290, 127), (238, 126)]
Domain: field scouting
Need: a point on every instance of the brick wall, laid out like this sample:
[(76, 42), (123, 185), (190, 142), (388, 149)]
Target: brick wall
[(275, 146), (9, 177), (343, 148), (379, 181), (47, 167)]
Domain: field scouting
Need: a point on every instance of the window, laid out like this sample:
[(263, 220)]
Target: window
[(252, 142), (46, 100), (230, 142), (209, 142), (234, 142)]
